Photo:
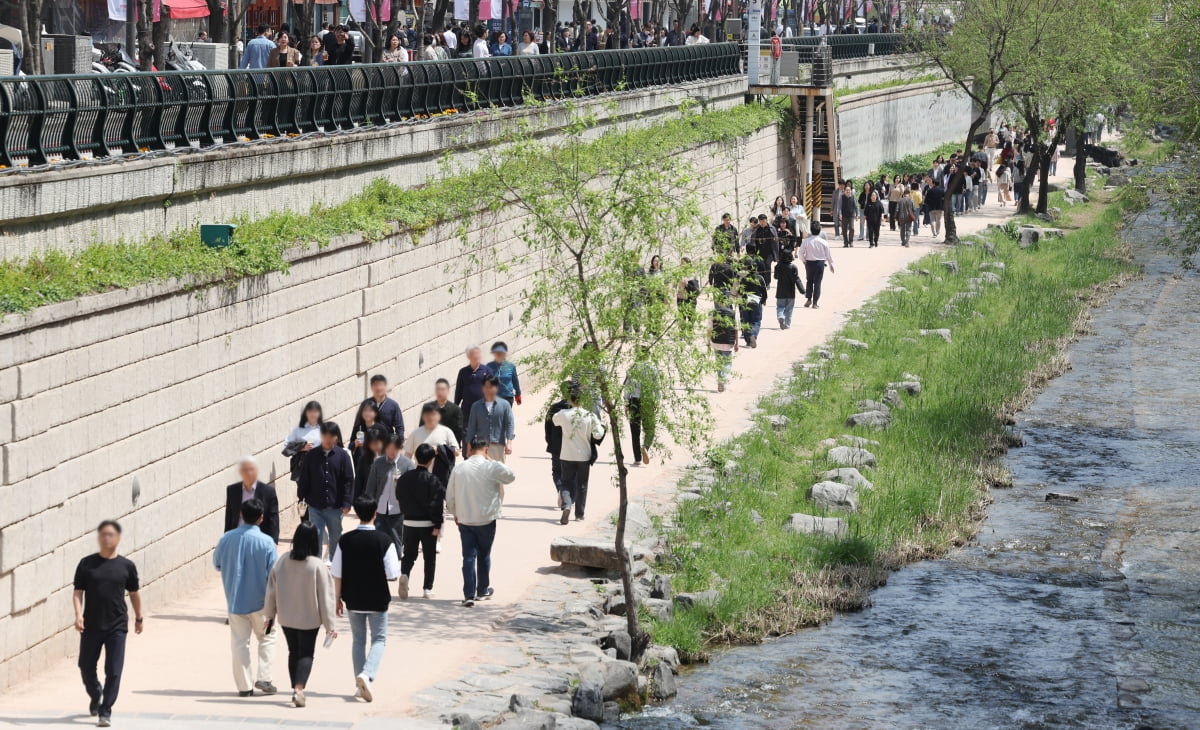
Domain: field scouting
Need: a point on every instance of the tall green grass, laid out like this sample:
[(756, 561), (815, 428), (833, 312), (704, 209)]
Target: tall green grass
[(934, 461)]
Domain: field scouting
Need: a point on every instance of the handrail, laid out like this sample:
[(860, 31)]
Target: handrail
[(46, 119), (857, 45)]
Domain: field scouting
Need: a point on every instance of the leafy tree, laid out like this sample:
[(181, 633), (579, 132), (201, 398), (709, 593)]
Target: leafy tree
[(1171, 101), (996, 45), (593, 216)]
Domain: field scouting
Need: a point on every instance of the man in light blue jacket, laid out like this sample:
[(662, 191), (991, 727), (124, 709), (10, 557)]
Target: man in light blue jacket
[(244, 557), (491, 421)]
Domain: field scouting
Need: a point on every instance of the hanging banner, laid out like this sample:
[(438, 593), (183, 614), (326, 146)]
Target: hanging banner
[(496, 8), (116, 10), (462, 10), (753, 38)]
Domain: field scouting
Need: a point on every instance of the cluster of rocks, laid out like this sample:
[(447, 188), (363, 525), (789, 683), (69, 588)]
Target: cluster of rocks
[(562, 657), (840, 488)]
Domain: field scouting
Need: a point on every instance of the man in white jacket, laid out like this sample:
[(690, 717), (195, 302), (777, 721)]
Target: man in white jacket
[(474, 496), (579, 426)]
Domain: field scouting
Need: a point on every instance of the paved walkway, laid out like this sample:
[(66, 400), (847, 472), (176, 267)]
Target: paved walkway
[(179, 669)]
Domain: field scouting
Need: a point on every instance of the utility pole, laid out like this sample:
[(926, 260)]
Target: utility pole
[(131, 30)]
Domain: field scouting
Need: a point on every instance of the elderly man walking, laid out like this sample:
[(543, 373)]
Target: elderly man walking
[(244, 557), (244, 491), (474, 497)]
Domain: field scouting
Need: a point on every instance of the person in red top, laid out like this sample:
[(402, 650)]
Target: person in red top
[(776, 55)]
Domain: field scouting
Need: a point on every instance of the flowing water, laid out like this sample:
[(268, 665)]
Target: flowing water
[(1061, 614)]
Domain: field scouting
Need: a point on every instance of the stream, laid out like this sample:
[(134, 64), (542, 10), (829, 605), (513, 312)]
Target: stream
[(1061, 614)]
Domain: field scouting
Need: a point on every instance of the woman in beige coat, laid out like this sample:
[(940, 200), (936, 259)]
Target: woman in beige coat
[(300, 595)]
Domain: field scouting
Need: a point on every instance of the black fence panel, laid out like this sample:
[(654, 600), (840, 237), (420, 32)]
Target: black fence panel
[(45, 119)]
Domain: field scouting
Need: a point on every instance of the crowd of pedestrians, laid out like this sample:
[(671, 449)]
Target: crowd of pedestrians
[(405, 486)]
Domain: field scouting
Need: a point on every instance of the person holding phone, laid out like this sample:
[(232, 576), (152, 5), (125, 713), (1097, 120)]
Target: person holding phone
[(300, 596)]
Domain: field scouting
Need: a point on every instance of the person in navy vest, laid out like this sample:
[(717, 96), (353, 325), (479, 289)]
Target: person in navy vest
[(365, 561)]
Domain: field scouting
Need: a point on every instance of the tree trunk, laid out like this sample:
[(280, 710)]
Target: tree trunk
[(1024, 207), (31, 36), (948, 207), (638, 642), (162, 32), (217, 28), (1043, 205), (145, 34), (439, 14), (1081, 141), (473, 12)]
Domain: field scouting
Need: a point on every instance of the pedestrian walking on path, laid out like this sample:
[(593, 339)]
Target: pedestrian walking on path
[(788, 284), (365, 561), (101, 581), (906, 212), (506, 372), (247, 489), (641, 405), (723, 336), (381, 487), (554, 441), (579, 426), (469, 387), (300, 597), (815, 254), (491, 419), (474, 497), (422, 500), (244, 557), (326, 485)]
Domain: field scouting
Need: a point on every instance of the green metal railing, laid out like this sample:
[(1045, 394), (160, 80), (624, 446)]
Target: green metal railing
[(856, 45), (45, 119)]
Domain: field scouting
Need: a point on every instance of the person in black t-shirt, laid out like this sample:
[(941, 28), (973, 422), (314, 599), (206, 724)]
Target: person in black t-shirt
[(101, 618)]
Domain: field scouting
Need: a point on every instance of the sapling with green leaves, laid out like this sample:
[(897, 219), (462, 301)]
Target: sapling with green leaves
[(589, 227)]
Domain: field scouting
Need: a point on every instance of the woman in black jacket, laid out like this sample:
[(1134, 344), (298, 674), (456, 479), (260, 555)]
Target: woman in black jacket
[(373, 441), (789, 284), (874, 215)]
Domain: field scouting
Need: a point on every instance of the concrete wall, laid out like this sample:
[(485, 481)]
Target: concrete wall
[(853, 72), (167, 386), (71, 208), (879, 126)]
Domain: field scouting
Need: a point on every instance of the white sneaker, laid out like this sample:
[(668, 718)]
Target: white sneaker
[(402, 587), (429, 594), (364, 687), (438, 549)]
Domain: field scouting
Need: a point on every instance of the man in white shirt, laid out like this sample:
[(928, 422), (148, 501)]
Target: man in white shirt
[(480, 47), (815, 254), (579, 426), (451, 41), (695, 37), (474, 497)]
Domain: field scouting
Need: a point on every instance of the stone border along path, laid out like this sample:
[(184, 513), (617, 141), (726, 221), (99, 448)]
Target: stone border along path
[(540, 637)]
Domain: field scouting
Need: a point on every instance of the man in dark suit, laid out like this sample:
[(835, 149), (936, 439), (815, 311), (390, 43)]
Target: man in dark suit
[(247, 489)]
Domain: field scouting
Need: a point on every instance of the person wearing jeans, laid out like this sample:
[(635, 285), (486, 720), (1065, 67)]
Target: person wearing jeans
[(244, 557), (365, 561), (788, 277), (381, 486), (101, 581), (326, 485), (421, 497), (474, 497), (579, 427)]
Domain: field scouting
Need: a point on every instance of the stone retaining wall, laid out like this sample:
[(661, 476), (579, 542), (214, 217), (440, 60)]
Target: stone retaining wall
[(69, 209), (890, 124), (136, 404)]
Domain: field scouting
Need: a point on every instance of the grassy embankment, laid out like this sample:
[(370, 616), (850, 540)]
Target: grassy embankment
[(890, 84), (261, 243), (935, 462)]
